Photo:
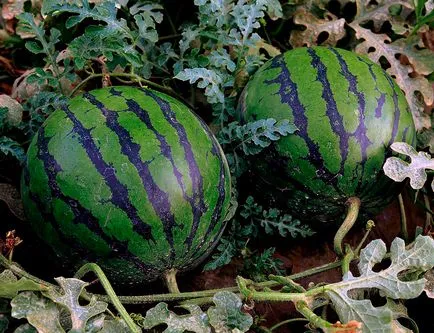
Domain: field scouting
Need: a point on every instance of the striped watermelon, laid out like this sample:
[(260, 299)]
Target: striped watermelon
[(129, 178), (347, 110)]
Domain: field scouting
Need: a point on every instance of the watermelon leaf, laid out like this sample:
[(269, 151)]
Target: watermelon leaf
[(40, 312), (226, 315), (26, 328), (224, 253), (425, 139), (208, 79), (80, 315), (10, 285), (389, 282), (11, 112), (146, 16), (411, 77), (273, 220), (253, 137), (429, 286), (11, 147), (334, 27), (196, 321), (398, 169)]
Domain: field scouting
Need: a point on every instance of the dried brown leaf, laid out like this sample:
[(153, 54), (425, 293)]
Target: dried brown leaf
[(12, 8), (429, 285), (10, 195), (15, 110), (331, 25), (377, 46), (377, 11)]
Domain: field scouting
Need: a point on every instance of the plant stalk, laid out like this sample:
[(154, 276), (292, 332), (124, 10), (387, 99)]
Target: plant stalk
[(353, 211), (143, 299), (404, 231), (91, 267), (170, 279)]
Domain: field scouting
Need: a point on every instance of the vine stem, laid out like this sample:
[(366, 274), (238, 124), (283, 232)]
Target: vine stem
[(317, 321), (143, 299), (353, 204), (285, 322), (404, 231), (429, 219), (134, 77), (91, 267)]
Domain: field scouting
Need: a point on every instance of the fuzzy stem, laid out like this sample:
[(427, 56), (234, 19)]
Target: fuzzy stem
[(316, 320), (285, 322), (170, 279), (348, 257), (143, 299), (91, 267), (369, 225), (429, 219), (16, 269), (404, 231), (353, 211), (134, 77)]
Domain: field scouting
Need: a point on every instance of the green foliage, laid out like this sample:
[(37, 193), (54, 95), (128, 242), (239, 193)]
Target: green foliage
[(230, 24), (273, 220), (258, 267), (250, 139), (10, 285), (248, 225), (52, 73), (11, 147), (39, 107), (222, 45)]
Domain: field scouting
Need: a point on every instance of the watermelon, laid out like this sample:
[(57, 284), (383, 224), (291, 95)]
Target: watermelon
[(128, 178), (347, 111)]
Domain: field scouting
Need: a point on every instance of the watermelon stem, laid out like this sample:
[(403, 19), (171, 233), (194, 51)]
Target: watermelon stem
[(170, 279), (404, 231), (91, 267), (353, 204)]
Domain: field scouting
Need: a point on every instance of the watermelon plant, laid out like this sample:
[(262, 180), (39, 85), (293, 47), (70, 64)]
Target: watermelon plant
[(347, 111), (55, 55), (128, 178)]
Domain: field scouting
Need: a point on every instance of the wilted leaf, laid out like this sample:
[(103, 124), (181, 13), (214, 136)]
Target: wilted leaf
[(425, 139), (196, 321), (226, 315), (39, 311), (115, 326), (12, 8), (380, 319), (10, 286), (26, 328), (14, 113), (429, 287), (72, 288), (377, 11), (398, 169), (330, 25), (376, 46)]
